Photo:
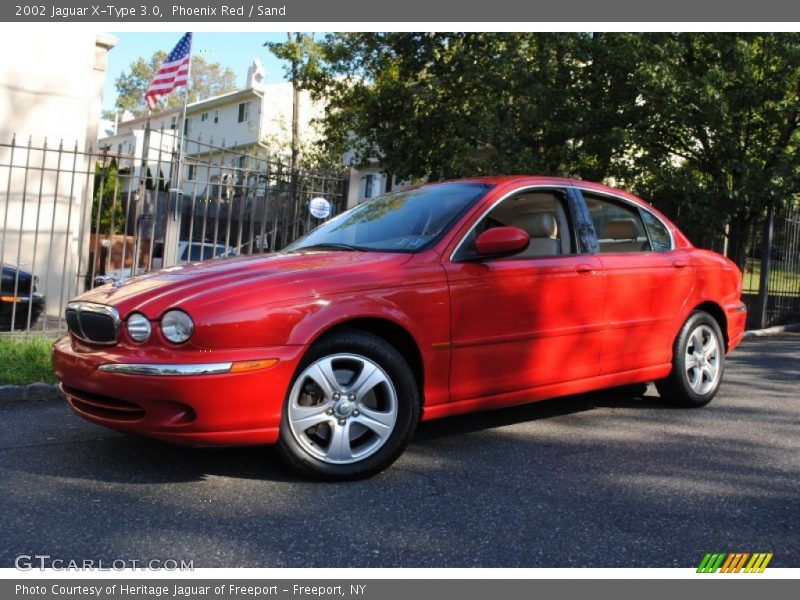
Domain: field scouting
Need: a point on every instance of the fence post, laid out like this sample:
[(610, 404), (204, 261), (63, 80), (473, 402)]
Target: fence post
[(763, 283)]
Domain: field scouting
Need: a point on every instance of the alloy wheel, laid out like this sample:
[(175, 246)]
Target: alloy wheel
[(702, 359), (342, 408)]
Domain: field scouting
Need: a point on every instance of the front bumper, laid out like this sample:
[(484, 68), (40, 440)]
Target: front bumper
[(211, 408)]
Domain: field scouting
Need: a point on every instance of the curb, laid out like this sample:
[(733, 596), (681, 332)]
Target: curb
[(778, 329), (34, 392)]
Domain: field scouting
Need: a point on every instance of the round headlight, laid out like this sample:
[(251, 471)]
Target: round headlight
[(139, 327), (177, 326)]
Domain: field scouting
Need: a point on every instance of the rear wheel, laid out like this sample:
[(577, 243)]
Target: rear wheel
[(351, 410), (698, 362)]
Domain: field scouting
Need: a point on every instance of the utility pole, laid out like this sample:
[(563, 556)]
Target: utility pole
[(295, 162), (295, 108)]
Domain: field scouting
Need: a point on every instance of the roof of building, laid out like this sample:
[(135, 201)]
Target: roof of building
[(199, 105)]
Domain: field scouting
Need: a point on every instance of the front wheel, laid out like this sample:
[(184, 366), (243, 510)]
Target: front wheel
[(351, 410), (698, 362)]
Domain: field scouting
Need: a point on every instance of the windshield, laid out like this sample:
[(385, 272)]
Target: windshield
[(400, 222)]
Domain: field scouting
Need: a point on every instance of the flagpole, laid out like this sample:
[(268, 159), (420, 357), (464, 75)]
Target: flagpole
[(178, 189)]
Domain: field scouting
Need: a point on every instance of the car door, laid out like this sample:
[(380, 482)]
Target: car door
[(526, 320), (647, 283)]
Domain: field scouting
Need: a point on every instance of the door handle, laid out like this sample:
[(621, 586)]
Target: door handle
[(584, 269), (679, 264)]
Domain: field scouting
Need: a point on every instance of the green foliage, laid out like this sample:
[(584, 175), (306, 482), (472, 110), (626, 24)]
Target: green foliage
[(107, 199), (705, 124), (448, 105), (25, 360), (302, 52), (303, 56), (207, 80), (718, 126)]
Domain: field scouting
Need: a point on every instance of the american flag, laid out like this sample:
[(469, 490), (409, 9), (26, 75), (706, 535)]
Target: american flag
[(174, 72)]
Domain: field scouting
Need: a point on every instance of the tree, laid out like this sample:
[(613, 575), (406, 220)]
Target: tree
[(299, 52), (703, 124), (107, 200), (718, 129), (453, 104), (207, 80)]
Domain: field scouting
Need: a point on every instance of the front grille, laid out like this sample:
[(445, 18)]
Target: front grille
[(95, 323), (72, 321)]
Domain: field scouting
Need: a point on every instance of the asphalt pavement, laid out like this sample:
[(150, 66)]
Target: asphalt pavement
[(614, 479)]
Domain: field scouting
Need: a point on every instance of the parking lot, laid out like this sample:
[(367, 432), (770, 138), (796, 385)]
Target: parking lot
[(602, 480)]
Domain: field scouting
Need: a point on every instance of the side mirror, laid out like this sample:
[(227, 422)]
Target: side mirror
[(501, 241)]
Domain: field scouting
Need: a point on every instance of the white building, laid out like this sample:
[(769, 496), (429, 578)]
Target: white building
[(51, 94), (253, 120), (256, 119)]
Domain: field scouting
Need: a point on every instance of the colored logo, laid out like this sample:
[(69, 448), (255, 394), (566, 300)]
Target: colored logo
[(735, 562)]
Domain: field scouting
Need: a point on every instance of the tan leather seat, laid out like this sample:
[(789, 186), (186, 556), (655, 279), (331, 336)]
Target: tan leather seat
[(622, 236), (622, 229), (543, 231)]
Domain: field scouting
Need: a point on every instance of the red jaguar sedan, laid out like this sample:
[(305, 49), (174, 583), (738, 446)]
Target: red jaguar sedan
[(443, 299)]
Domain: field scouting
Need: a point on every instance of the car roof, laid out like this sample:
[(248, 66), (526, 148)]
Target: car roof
[(544, 180)]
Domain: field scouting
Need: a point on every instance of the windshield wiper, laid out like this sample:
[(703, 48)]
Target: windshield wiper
[(333, 246)]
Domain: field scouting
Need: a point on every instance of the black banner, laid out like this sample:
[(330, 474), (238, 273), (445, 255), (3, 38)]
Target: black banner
[(389, 589), (271, 11)]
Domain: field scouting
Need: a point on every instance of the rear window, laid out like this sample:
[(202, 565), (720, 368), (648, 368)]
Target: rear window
[(660, 240)]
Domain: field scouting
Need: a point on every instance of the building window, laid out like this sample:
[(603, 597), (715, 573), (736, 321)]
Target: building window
[(173, 124), (216, 116), (204, 117), (369, 182), (187, 126), (244, 112), (190, 173)]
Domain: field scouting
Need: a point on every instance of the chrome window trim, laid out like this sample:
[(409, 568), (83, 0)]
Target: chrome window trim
[(638, 207), (172, 370), (498, 201), (79, 307)]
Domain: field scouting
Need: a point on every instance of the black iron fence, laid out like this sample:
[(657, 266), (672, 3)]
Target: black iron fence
[(73, 219), (771, 269)]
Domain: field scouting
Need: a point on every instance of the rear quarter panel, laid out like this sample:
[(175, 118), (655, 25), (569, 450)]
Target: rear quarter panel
[(719, 281)]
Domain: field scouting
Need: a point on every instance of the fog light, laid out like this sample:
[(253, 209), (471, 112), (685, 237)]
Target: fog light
[(139, 327), (177, 326)]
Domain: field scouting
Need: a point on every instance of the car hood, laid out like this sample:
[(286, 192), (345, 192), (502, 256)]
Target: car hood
[(12, 278), (261, 278)]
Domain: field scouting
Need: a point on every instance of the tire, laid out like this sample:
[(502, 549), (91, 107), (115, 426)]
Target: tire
[(698, 363), (351, 409)]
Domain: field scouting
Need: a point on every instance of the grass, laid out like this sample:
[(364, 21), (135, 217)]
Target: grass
[(25, 360), (781, 280)]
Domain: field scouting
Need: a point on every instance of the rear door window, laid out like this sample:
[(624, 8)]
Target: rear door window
[(618, 225)]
